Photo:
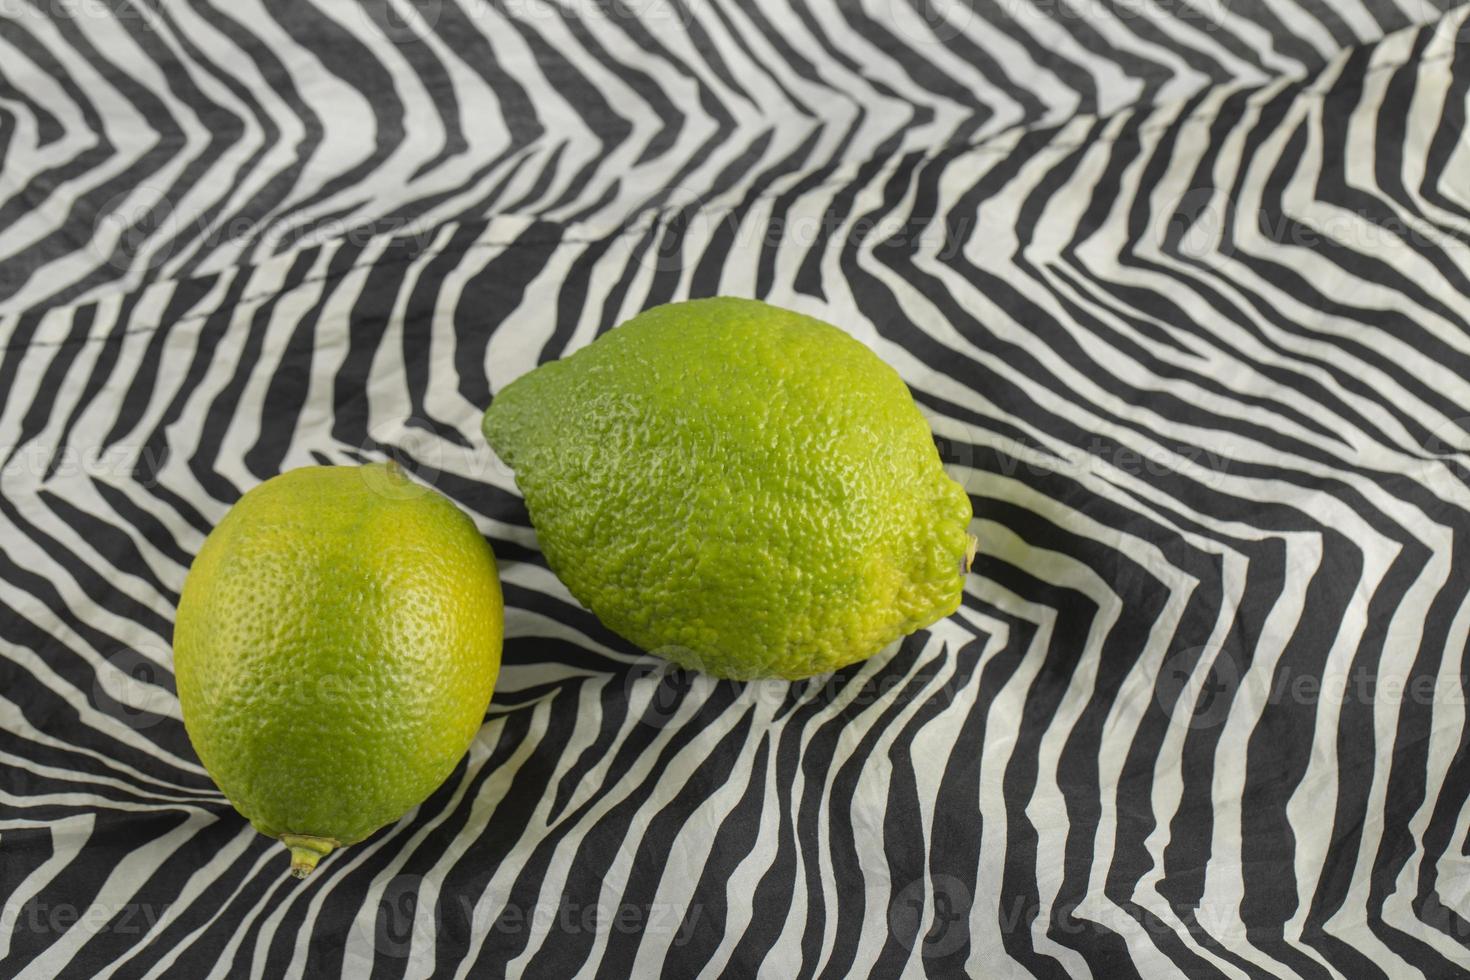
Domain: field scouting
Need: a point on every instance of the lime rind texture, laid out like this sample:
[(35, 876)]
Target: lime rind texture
[(335, 649), (742, 489)]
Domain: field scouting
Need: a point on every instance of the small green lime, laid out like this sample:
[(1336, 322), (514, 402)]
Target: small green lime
[(737, 487), (336, 645)]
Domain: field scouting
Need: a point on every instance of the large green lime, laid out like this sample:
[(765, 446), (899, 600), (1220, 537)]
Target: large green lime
[(737, 487), (336, 645)]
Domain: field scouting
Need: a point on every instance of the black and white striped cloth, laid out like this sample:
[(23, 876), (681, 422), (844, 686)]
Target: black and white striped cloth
[(1182, 285)]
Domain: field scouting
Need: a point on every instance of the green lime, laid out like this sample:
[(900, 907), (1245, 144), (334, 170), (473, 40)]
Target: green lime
[(739, 488), (335, 649)]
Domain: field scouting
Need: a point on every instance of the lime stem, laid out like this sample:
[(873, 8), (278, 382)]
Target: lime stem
[(306, 851), (972, 544)]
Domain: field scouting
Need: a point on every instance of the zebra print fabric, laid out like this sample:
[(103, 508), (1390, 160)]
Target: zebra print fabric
[(1184, 291)]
